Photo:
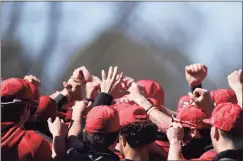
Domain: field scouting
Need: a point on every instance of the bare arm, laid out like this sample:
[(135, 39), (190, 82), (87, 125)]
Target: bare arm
[(175, 152), (58, 148), (235, 80), (160, 119), (168, 111)]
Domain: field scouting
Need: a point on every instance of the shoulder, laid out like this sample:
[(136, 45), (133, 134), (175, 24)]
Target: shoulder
[(208, 155)]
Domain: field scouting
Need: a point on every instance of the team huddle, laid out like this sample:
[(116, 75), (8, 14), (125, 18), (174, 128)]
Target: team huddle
[(119, 118)]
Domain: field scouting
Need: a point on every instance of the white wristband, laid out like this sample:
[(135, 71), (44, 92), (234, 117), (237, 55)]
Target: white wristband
[(151, 109)]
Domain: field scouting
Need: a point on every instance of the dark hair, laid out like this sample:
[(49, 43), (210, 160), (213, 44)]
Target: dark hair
[(104, 140), (11, 112), (231, 135), (205, 133), (139, 134)]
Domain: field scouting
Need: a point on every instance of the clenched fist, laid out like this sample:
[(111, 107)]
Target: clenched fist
[(202, 98), (195, 74), (82, 74), (175, 132), (33, 79), (235, 80)]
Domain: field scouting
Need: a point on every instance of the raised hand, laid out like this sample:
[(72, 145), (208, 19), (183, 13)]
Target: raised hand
[(111, 80), (235, 80), (73, 88), (93, 87), (82, 74), (201, 97), (80, 109), (195, 74), (122, 88), (57, 127), (33, 79), (175, 132)]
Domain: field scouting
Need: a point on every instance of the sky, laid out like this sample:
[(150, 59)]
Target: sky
[(217, 34)]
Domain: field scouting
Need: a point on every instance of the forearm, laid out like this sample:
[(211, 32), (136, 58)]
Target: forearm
[(103, 99), (75, 128), (175, 151), (239, 97), (58, 147), (61, 99), (74, 131), (160, 119), (168, 111)]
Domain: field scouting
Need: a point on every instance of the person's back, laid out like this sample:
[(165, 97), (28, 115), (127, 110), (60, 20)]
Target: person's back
[(227, 132), (16, 142), (101, 132), (24, 145), (136, 133)]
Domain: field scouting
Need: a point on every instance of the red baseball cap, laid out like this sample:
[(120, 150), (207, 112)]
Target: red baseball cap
[(46, 108), (226, 116), (130, 113), (184, 100), (223, 95), (192, 116), (15, 88), (153, 92), (102, 119), (34, 90)]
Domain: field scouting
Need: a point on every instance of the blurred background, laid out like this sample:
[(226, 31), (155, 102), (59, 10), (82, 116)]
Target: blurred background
[(147, 40)]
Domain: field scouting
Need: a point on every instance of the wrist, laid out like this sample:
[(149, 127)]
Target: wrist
[(77, 119), (66, 93), (175, 142), (238, 91), (143, 102)]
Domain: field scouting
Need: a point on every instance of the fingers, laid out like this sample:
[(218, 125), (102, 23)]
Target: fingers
[(196, 68), (103, 75), (114, 74), (49, 121), (110, 72), (57, 119), (199, 92), (118, 80)]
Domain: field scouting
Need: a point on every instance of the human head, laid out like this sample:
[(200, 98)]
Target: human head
[(153, 92), (16, 100), (183, 102), (102, 126), (223, 95), (136, 131), (226, 121), (191, 118)]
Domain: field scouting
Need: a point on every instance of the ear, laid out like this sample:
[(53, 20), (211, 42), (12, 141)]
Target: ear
[(215, 133), (193, 132)]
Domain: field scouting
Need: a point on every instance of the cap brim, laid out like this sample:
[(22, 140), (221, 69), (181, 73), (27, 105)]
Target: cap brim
[(208, 121)]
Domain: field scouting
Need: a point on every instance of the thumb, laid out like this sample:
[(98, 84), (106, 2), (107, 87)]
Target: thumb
[(192, 97), (49, 121)]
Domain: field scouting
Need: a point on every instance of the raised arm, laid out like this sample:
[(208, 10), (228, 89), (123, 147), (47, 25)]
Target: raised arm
[(235, 80), (58, 130), (195, 74)]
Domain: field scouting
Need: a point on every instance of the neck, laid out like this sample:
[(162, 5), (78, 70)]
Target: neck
[(139, 154), (229, 145)]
